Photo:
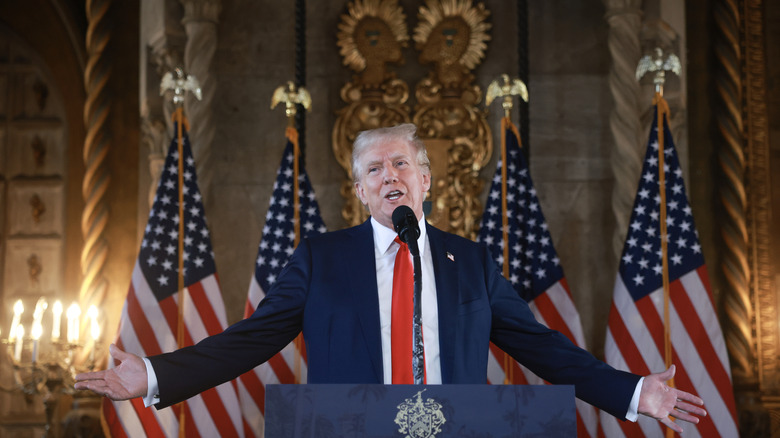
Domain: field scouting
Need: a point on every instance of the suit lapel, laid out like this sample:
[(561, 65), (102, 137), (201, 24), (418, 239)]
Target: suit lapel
[(362, 275), (446, 274)]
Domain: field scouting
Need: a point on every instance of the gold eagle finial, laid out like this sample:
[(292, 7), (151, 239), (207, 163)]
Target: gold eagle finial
[(507, 89), (660, 65), (291, 96), (180, 83)]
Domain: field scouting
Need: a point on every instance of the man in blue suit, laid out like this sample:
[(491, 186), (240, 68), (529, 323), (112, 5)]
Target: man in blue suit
[(337, 289)]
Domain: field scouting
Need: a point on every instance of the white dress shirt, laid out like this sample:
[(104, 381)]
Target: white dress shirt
[(385, 250)]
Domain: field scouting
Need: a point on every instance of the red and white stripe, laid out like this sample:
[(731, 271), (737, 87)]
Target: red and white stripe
[(555, 309), (278, 369), (148, 327), (635, 343)]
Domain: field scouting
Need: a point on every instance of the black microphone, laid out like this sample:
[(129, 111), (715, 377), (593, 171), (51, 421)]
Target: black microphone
[(405, 224)]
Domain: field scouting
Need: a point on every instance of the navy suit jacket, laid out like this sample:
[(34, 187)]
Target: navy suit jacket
[(329, 290)]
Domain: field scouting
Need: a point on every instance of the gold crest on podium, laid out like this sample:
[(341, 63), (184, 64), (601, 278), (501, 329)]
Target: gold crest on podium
[(419, 419)]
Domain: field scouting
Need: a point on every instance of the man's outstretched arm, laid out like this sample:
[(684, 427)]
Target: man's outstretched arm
[(127, 380), (660, 401)]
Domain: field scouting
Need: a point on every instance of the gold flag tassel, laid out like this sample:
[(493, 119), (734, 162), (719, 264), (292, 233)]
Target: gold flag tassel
[(662, 110), (292, 96)]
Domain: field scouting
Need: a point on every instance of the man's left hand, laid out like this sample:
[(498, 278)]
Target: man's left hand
[(660, 401)]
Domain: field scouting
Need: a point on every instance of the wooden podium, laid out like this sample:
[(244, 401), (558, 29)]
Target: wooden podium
[(419, 411)]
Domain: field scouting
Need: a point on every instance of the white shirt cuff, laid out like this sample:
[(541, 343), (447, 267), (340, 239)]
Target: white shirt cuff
[(152, 396), (633, 408)]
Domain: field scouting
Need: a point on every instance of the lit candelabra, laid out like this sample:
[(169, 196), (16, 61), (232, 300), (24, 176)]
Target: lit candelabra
[(46, 365)]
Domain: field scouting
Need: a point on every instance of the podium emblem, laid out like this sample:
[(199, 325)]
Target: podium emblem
[(418, 418)]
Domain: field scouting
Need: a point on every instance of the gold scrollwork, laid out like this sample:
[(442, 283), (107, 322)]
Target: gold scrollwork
[(452, 36), (370, 36)]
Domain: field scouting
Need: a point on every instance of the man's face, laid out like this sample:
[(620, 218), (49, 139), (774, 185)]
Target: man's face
[(390, 176)]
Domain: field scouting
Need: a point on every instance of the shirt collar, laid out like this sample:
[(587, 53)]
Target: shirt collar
[(383, 236)]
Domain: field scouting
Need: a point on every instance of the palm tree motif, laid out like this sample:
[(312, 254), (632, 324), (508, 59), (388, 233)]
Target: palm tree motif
[(357, 423)]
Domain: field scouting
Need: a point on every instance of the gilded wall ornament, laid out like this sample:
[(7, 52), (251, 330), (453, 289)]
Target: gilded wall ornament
[(451, 36), (371, 35), (34, 269), (37, 208)]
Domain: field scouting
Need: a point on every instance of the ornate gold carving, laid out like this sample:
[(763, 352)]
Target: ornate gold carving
[(451, 35), (370, 36), (38, 208)]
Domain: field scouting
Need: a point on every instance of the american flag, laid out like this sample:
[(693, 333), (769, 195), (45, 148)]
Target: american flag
[(149, 320), (534, 268), (276, 246), (635, 332)]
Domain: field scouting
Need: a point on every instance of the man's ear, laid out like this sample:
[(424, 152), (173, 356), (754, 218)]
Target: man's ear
[(360, 193), (426, 181)]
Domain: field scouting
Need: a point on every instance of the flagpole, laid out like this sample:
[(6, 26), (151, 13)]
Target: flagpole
[(180, 83), (661, 110), (506, 88), (658, 64), (292, 96), (508, 369), (292, 135)]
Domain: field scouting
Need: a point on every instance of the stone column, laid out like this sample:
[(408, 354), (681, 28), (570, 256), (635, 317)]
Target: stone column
[(95, 215), (164, 45), (200, 23), (625, 19)]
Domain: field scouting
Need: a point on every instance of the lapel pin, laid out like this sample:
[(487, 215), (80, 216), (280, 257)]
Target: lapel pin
[(450, 256)]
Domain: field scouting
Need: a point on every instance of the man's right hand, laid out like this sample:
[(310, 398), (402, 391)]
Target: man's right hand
[(125, 381)]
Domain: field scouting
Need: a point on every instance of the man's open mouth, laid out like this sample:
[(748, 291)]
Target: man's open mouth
[(392, 196)]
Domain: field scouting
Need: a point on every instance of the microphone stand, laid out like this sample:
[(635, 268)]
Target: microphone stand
[(418, 357)]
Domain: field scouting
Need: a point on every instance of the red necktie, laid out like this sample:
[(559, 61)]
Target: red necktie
[(401, 320)]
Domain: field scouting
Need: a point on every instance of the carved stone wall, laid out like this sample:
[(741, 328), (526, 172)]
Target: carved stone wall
[(33, 148)]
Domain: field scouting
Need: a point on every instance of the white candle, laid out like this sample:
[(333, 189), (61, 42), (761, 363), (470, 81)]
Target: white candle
[(92, 313), (18, 310), (37, 330), (19, 340), (55, 320), (73, 323)]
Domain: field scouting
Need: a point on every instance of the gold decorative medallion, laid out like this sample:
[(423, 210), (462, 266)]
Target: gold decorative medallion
[(419, 419)]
